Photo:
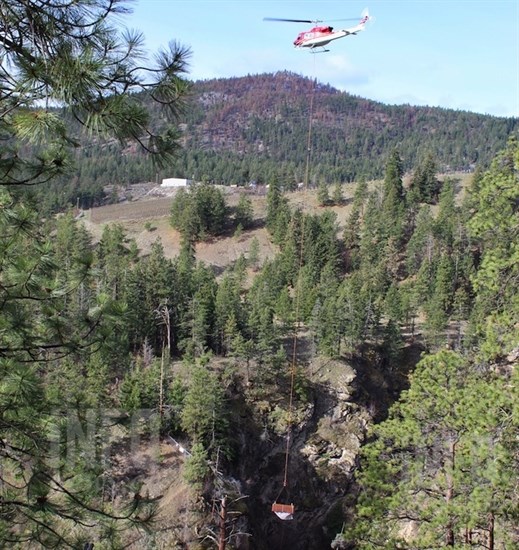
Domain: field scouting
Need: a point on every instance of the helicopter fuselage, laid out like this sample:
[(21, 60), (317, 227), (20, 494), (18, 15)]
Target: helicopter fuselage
[(320, 36), (317, 37)]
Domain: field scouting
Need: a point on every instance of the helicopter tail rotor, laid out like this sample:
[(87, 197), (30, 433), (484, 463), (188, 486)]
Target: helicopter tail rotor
[(366, 16)]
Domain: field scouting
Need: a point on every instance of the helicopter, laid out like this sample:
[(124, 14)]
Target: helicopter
[(317, 37)]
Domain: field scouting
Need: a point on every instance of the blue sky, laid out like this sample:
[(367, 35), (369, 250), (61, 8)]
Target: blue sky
[(455, 54)]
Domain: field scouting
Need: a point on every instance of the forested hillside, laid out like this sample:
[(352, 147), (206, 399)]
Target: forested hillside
[(255, 128), (268, 115), (365, 373)]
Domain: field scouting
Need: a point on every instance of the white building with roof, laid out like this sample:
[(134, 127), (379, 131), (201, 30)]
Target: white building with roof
[(175, 182)]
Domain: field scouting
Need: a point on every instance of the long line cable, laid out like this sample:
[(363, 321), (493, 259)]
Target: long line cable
[(293, 363)]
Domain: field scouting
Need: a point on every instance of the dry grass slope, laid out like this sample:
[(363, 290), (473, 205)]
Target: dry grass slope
[(146, 219)]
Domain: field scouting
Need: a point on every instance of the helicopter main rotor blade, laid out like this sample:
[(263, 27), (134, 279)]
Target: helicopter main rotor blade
[(308, 20), (289, 20)]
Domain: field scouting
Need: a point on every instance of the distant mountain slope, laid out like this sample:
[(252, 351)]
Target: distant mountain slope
[(267, 116), (256, 127)]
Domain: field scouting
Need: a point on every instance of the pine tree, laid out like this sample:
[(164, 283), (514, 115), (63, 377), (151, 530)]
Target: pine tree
[(227, 304), (448, 216), (244, 213), (392, 213), (278, 213), (51, 322), (197, 467), (149, 286), (74, 55), (328, 317), (323, 195), (199, 212), (184, 215), (204, 417), (442, 460), (114, 258), (424, 184), (211, 209), (92, 74), (392, 303), (356, 310), (254, 251), (338, 195), (495, 226), (421, 243), (371, 238), (352, 229), (439, 304)]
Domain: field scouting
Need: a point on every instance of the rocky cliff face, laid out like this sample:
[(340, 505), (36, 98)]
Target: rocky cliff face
[(334, 403), (328, 429)]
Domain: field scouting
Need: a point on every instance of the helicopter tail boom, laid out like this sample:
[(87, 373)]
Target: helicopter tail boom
[(361, 26)]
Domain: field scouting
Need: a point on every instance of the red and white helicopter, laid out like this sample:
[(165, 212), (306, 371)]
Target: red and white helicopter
[(320, 36)]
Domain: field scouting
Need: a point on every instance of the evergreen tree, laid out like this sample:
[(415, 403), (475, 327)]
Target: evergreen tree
[(421, 243), (410, 302), (439, 305), (495, 225), (284, 311), (435, 459), (74, 55), (149, 288), (321, 246), (392, 303), (306, 294), (51, 322), (392, 344), (425, 186), (254, 250), (278, 213), (184, 216), (338, 195), (244, 213), (227, 304), (393, 198), (92, 74), (211, 209), (323, 195), (352, 229), (358, 312), (197, 467), (447, 219), (328, 317), (393, 189), (204, 417), (204, 332), (114, 258), (360, 195), (371, 238), (199, 212)]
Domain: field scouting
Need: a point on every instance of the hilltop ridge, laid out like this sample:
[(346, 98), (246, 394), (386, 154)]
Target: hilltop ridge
[(256, 128)]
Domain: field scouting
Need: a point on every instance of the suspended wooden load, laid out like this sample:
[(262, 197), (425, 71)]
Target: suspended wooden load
[(283, 511)]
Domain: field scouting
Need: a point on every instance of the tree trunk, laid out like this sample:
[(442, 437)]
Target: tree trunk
[(491, 521), (449, 535), (223, 517), (161, 387)]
